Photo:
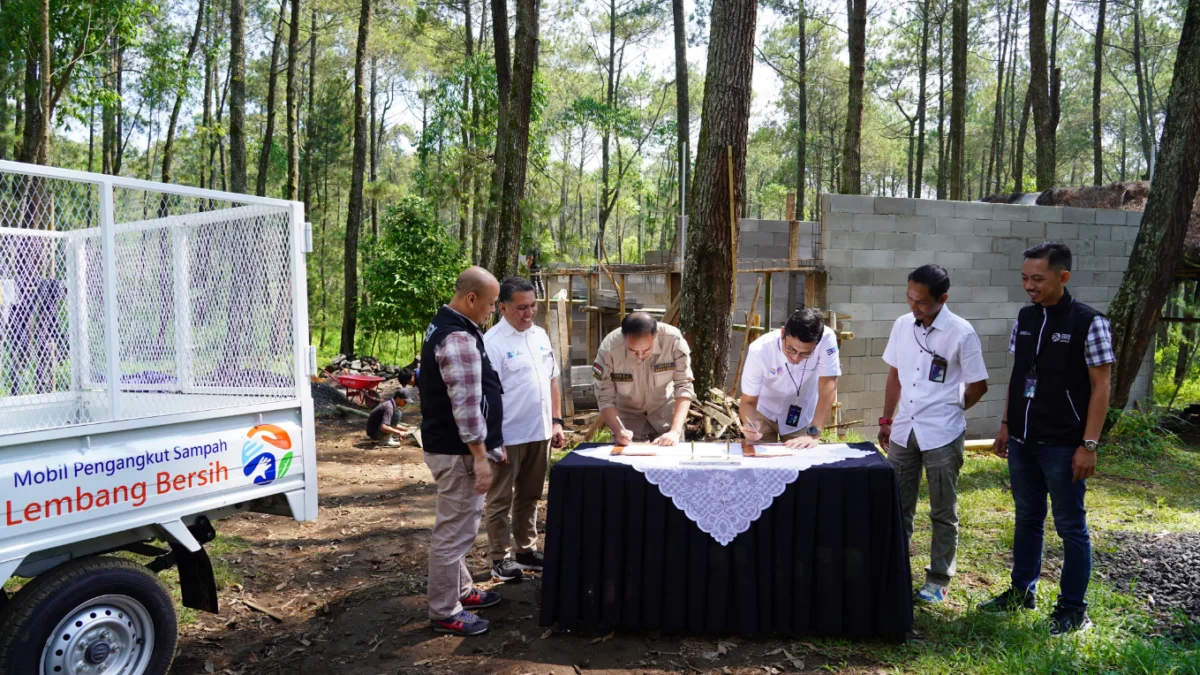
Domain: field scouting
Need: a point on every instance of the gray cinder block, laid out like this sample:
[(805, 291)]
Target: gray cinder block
[(1073, 214), (954, 226), (895, 206)]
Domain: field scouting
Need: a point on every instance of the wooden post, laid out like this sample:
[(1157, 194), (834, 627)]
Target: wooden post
[(570, 314), (814, 289), (767, 320), (621, 295), (793, 233), (791, 206), (593, 343), (564, 353)]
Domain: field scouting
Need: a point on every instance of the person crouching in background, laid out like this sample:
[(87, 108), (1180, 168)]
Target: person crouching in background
[(383, 425)]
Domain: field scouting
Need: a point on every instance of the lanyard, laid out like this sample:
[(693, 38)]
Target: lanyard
[(788, 366), (924, 347)]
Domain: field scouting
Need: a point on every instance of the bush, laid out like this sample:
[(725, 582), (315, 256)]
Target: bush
[(1138, 434)]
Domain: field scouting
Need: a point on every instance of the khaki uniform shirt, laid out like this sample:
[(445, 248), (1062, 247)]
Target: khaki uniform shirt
[(644, 392)]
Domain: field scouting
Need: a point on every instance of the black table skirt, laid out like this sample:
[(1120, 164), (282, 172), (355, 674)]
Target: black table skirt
[(827, 558)]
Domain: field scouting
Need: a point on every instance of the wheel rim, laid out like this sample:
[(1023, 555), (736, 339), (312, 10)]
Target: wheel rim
[(107, 635)]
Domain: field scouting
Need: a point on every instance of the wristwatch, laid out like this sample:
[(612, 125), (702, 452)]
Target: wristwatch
[(1091, 446), (814, 431), (885, 421)]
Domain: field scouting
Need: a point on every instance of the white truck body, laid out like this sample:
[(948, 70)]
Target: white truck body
[(154, 364)]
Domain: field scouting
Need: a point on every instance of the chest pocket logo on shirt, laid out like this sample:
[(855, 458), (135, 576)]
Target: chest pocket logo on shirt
[(664, 373), (621, 378)]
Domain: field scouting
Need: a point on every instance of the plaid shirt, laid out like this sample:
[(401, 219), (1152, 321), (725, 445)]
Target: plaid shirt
[(1098, 349), (461, 364)]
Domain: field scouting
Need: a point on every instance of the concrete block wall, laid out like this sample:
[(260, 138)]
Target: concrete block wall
[(872, 243)]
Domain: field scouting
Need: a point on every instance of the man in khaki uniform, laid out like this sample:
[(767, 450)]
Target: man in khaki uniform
[(643, 379)]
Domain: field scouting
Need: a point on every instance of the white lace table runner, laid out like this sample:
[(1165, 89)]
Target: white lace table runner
[(723, 500)]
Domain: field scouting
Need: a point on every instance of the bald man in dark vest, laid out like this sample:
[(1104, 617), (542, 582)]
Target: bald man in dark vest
[(461, 412)]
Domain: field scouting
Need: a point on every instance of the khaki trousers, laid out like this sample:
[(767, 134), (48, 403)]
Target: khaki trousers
[(454, 530), (516, 487), (770, 431)]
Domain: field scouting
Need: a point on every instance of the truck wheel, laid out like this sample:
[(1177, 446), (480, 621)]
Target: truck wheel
[(87, 617)]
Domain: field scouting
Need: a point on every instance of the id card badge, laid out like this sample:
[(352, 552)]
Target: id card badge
[(937, 371), (1031, 383), (793, 416)]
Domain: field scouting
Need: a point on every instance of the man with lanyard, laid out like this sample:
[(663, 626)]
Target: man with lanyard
[(1056, 408), (936, 373), (522, 355), (643, 374), (461, 411), (789, 381)]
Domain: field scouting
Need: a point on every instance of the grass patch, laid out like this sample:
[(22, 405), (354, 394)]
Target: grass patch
[(1133, 491)]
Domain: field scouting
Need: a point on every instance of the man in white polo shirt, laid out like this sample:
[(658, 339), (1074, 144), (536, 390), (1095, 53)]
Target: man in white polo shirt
[(937, 373), (789, 381), (521, 354)]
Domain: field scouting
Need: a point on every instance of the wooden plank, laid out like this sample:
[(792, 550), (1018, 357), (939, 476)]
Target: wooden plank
[(587, 438), (747, 339), (563, 349), (790, 210)]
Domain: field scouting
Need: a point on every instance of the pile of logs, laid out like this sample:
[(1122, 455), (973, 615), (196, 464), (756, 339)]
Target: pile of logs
[(363, 365)]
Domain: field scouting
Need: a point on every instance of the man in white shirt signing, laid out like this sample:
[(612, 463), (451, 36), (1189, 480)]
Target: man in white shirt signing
[(789, 382), (521, 354), (937, 372)]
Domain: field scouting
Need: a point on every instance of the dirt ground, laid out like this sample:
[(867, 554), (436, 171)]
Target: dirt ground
[(348, 593)]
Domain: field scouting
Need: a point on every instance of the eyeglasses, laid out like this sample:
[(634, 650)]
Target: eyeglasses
[(792, 351)]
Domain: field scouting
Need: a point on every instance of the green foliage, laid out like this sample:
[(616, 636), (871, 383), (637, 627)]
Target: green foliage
[(1138, 434), (412, 269)]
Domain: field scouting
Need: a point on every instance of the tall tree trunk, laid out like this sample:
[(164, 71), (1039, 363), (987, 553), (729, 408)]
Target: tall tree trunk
[(358, 166), (373, 161), (943, 176), (291, 189), (607, 199), (1097, 81), (801, 108), (237, 95), (264, 155), (852, 146), (922, 97), (1151, 273), (4, 84), (682, 101), (958, 109), (491, 229), (310, 123), (43, 147), (1039, 84), (525, 53), (1143, 111), (708, 280), (996, 149), (205, 137), (1019, 154), (109, 135), (181, 89), (1187, 342)]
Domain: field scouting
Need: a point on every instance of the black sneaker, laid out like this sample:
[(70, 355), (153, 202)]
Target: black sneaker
[(1009, 601), (531, 561), (506, 570), (1064, 621)]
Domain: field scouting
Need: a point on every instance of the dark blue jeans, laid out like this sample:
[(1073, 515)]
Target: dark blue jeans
[(1036, 471)]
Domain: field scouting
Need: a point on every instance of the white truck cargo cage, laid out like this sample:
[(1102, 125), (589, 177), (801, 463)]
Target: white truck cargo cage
[(154, 377)]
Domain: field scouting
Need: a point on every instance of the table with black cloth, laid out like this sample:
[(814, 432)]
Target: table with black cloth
[(828, 557)]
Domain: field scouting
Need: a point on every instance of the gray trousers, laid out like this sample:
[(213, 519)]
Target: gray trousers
[(942, 466)]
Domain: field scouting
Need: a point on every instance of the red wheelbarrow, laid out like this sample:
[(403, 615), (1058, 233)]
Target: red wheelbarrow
[(361, 389)]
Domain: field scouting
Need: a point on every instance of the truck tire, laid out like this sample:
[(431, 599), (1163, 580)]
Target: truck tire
[(89, 614)]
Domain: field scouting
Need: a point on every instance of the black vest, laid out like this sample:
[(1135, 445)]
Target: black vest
[(439, 431), (1054, 339)]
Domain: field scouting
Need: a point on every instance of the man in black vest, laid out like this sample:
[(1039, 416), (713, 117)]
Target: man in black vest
[(461, 412), (1057, 402)]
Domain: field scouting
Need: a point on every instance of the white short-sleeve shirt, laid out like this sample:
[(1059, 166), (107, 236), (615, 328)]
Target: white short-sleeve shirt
[(934, 410), (780, 384), (526, 364)]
